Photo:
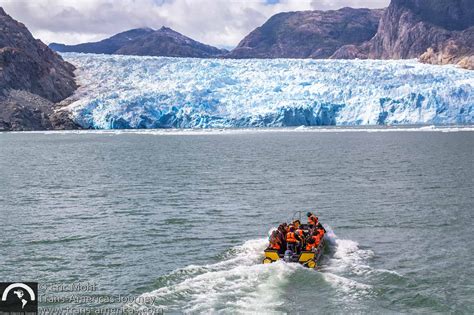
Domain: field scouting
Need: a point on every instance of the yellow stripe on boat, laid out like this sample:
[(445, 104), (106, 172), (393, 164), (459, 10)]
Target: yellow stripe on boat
[(311, 264), (305, 256), (272, 254)]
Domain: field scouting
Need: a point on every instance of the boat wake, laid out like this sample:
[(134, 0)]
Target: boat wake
[(346, 263), (240, 283)]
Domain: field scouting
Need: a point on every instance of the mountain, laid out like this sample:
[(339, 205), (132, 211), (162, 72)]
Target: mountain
[(106, 46), (167, 42), (32, 78), (437, 31), (146, 42), (308, 34)]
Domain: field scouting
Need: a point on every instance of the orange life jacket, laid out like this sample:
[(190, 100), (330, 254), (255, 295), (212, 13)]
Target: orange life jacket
[(291, 237), (314, 244), (317, 241), (321, 233), (299, 232), (275, 245), (318, 237), (313, 220)]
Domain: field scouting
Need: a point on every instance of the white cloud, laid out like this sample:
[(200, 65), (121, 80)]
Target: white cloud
[(214, 22)]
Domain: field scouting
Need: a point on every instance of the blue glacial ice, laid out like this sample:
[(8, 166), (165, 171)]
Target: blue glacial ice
[(120, 92)]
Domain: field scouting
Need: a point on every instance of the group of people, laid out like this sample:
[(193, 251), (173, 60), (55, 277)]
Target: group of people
[(297, 237)]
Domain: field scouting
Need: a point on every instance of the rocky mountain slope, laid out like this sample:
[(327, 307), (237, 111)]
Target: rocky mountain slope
[(107, 46), (32, 78), (146, 42), (437, 31), (308, 34)]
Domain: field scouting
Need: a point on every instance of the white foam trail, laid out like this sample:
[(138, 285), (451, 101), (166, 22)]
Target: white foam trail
[(347, 256), (346, 253), (348, 259), (239, 284), (393, 272), (346, 284)]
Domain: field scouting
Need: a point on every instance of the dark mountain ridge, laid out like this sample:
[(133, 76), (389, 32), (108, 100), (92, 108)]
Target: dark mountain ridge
[(107, 46), (436, 31), (145, 42), (453, 15), (308, 34)]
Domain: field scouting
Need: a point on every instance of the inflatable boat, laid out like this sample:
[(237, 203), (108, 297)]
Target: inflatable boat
[(306, 258), (308, 249)]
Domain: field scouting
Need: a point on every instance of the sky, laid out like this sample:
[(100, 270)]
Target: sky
[(221, 23)]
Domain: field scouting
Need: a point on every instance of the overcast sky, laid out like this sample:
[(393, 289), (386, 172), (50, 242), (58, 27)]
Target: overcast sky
[(221, 23)]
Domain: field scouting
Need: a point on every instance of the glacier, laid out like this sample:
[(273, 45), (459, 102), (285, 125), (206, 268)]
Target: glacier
[(132, 92)]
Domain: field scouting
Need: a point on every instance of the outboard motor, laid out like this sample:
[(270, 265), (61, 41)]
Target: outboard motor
[(288, 256)]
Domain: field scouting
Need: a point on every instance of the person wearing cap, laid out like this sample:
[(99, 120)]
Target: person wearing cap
[(312, 219)]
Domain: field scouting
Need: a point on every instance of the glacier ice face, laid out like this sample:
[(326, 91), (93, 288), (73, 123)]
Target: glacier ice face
[(120, 92)]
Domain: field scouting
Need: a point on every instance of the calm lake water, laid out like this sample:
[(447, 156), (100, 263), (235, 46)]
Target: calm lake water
[(182, 218)]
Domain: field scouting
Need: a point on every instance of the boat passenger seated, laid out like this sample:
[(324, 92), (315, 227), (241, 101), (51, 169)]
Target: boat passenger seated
[(314, 240), (281, 235), (292, 240), (310, 242), (302, 235), (296, 224), (321, 227), (275, 242), (312, 219)]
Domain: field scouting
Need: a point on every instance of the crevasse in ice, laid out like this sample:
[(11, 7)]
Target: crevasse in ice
[(158, 92)]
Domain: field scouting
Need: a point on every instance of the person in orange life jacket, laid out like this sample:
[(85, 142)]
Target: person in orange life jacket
[(301, 234), (312, 219), (310, 242), (321, 231), (275, 243), (292, 239), (321, 227), (296, 224), (281, 235), (320, 234), (314, 240), (314, 228)]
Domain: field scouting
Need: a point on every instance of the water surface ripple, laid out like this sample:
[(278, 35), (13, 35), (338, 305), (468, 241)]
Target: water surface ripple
[(183, 218)]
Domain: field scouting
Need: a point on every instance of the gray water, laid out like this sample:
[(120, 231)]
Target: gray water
[(183, 218)]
